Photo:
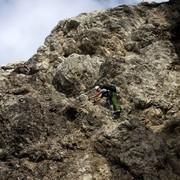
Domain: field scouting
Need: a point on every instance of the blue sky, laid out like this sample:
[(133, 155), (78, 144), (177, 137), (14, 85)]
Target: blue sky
[(26, 23)]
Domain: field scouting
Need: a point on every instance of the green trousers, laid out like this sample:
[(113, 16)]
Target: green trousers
[(115, 102)]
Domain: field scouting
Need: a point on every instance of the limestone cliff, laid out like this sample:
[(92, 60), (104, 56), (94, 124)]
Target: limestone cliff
[(50, 130)]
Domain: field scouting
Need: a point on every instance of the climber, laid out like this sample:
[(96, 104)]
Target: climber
[(108, 91)]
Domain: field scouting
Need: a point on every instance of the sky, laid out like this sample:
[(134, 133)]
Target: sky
[(24, 24)]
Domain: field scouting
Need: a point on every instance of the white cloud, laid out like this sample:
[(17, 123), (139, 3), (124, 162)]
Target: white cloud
[(26, 23)]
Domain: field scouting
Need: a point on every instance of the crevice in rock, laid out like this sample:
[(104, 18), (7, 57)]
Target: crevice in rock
[(122, 165), (71, 113), (64, 85), (25, 70), (176, 41), (175, 38), (3, 157), (72, 25), (21, 91), (171, 126), (87, 48), (142, 105)]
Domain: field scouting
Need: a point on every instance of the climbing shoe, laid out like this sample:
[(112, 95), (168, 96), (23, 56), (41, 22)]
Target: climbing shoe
[(116, 115), (116, 112)]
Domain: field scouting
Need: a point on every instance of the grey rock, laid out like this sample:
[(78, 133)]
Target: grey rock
[(50, 129)]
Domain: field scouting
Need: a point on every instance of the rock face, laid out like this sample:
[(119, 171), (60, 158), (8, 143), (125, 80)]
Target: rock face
[(50, 130)]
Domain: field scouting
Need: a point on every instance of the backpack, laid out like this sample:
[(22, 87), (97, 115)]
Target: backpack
[(109, 87)]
